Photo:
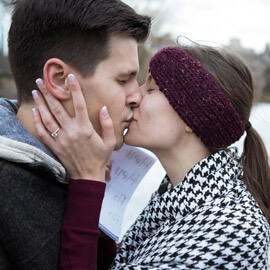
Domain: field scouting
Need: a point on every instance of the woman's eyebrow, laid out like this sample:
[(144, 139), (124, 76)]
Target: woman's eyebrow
[(149, 77)]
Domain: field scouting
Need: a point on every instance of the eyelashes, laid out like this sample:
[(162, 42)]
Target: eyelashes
[(122, 82)]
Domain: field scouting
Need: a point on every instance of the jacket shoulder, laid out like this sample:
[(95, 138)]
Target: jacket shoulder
[(32, 207)]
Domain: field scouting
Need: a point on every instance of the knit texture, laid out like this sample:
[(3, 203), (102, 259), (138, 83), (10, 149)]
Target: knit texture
[(196, 97), (81, 244)]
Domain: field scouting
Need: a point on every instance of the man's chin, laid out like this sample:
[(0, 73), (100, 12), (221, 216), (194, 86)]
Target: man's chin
[(119, 144), (128, 140), (122, 140)]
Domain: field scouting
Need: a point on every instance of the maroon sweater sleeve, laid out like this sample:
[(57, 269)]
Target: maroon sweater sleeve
[(80, 233)]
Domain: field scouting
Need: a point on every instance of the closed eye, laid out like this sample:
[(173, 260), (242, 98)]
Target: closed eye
[(122, 81), (150, 90)]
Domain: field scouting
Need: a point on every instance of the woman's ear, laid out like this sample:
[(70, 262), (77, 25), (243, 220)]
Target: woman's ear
[(188, 129), (55, 73)]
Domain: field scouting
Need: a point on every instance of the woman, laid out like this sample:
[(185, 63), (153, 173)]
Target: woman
[(212, 210)]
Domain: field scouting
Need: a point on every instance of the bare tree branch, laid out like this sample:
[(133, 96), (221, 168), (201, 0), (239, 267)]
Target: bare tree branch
[(7, 3)]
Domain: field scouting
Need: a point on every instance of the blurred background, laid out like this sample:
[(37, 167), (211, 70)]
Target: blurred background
[(238, 25)]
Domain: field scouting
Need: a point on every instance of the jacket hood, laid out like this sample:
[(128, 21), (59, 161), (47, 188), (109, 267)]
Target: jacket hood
[(18, 145)]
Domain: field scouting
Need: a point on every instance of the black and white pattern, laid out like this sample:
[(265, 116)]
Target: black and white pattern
[(208, 221)]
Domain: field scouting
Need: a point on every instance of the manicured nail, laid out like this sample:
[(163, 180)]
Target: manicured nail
[(40, 83), (105, 112), (35, 94), (34, 112), (71, 79), (66, 82)]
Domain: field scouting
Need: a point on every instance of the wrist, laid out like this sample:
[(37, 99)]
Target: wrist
[(100, 176)]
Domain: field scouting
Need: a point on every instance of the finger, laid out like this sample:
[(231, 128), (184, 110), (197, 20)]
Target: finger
[(108, 171), (106, 123), (107, 174), (109, 165), (54, 104), (43, 112), (78, 98), (41, 130)]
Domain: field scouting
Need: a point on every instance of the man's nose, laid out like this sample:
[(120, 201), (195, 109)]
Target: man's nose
[(134, 98)]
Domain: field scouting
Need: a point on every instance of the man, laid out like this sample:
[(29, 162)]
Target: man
[(96, 41)]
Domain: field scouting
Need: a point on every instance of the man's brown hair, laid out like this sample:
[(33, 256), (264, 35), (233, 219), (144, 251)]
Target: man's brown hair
[(75, 31)]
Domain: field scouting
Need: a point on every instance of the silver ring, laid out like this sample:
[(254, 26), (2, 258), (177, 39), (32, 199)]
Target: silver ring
[(54, 134)]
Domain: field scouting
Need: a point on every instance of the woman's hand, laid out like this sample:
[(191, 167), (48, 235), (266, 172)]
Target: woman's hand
[(78, 146)]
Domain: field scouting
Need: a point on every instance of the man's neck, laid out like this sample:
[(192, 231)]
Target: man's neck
[(25, 116)]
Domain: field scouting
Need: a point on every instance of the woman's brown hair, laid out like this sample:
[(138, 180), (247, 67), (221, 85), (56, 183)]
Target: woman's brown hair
[(234, 78)]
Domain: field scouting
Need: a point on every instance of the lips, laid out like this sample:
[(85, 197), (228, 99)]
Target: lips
[(130, 123), (129, 119), (127, 124)]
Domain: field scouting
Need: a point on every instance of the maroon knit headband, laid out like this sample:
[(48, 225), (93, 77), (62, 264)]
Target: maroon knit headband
[(196, 97)]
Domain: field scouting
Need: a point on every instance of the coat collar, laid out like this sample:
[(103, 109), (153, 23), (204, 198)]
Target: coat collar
[(214, 181), (209, 179), (18, 145)]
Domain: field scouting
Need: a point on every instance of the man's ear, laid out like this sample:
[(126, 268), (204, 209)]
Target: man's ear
[(55, 73), (188, 129)]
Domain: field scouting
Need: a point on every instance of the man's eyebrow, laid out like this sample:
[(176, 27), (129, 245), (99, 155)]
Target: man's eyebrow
[(128, 73)]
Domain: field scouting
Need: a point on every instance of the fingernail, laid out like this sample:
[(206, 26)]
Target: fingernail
[(40, 83), (66, 82), (105, 112), (71, 79), (34, 112), (35, 94)]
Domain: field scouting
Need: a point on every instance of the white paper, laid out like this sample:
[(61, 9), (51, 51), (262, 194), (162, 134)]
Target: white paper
[(129, 166)]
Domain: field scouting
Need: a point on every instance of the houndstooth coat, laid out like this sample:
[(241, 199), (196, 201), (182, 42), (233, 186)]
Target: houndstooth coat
[(208, 221)]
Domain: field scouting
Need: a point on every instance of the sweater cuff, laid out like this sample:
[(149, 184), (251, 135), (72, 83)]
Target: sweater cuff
[(84, 204)]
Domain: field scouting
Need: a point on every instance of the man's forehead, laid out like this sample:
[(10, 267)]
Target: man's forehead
[(124, 55)]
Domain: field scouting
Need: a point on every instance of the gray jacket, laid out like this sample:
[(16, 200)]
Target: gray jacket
[(33, 193)]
